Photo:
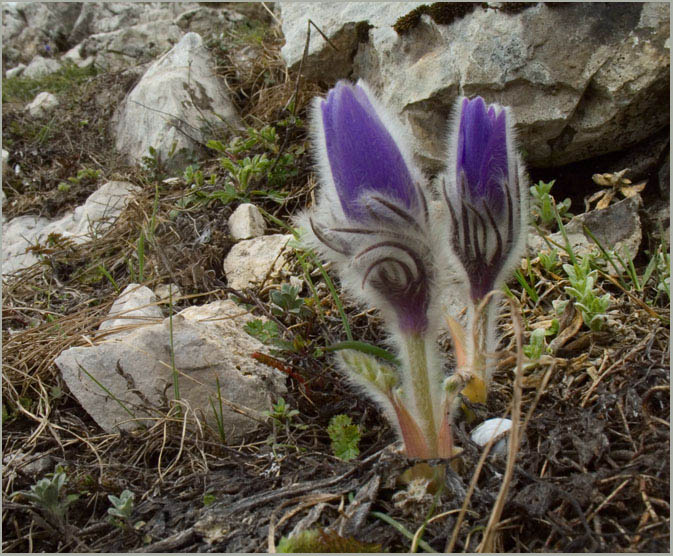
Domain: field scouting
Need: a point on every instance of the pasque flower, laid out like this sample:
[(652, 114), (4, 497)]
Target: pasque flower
[(372, 222), (485, 192), (372, 215)]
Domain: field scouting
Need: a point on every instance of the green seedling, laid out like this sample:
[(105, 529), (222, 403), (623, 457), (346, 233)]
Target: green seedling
[(287, 301), (661, 263), (550, 260), (49, 495), (527, 284), (543, 204), (582, 288), (537, 345), (122, 506), (281, 413), (345, 437), (265, 331)]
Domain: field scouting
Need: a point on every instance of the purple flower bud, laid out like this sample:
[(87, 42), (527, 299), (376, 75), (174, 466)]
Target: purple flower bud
[(363, 156), (484, 190), (481, 159), (379, 237)]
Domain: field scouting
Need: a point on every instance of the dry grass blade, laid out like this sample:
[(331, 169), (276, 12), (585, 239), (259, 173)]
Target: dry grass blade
[(487, 544)]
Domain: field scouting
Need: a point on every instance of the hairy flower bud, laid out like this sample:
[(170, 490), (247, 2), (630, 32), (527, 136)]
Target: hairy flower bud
[(484, 188), (372, 216)]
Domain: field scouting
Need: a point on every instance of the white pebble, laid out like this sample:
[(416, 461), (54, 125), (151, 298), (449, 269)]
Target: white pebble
[(492, 428)]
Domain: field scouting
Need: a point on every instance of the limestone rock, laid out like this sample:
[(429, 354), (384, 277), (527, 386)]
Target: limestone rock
[(582, 79), (208, 344), (40, 67), (136, 305), (28, 26), (178, 96), (74, 56), (117, 50), (17, 235), (15, 72), (107, 17), (344, 23), (246, 222), (251, 260), (208, 21), (95, 216), (616, 227), (42, 104)]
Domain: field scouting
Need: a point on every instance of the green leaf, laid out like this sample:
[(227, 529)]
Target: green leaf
[(345, 437), (364, 347)]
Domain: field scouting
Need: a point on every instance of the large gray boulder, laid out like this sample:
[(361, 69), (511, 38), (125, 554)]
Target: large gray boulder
[(582, 79), (122, 381), (178, 97)]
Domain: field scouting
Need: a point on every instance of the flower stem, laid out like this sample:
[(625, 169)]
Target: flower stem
[(420, 384)]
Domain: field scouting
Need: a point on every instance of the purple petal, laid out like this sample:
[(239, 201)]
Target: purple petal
[(482, 152), (362, 154)]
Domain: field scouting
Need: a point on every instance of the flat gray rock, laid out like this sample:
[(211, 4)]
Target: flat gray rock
[(122, 382)]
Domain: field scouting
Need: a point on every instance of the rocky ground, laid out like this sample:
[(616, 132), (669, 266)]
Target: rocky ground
[(166, 341)]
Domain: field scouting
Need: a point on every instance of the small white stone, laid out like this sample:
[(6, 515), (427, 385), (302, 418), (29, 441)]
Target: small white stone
[(42, 104), (15, 72), (252, 260), (492, 428), (246, 222), (136, 305)]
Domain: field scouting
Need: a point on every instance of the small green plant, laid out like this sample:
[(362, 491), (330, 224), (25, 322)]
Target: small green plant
[(265, 331), (582, 288), (122, 506), (543, 203), (320, 540), (550, 260), (193, 176), (49, 495), (528, 284), (661, 263), (537, 345), (253, 163), (153, 164), (209, 499), (345, 437), (281, 413), (287, 301)]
